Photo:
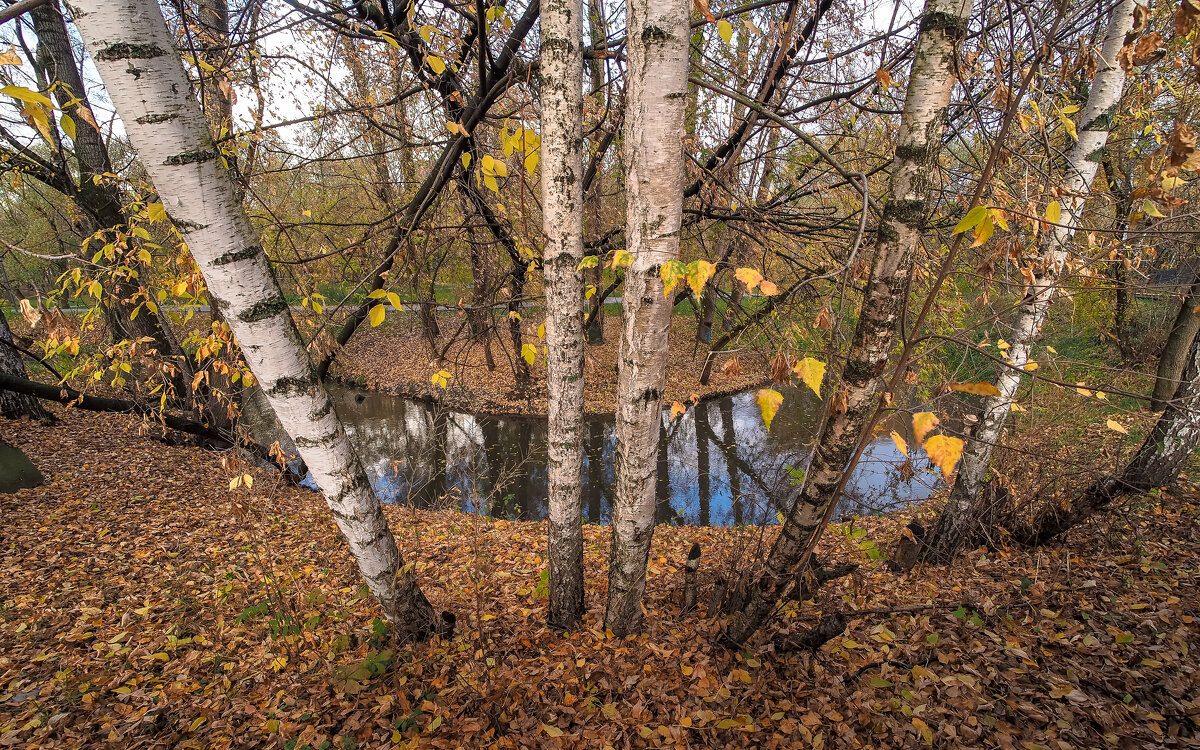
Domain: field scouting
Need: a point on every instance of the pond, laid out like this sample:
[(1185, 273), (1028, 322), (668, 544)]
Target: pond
[(718, 464)]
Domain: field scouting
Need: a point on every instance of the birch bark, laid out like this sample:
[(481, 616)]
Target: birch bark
[(931, 82), (136, 58), (15, 405), (562, 223), (954, 526), (658, 33)]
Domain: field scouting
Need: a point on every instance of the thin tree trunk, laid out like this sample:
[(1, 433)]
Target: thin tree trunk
[(562, 223), (97, 196), (135, 56), (955, 526), (1174, 355), (1165, 452), (657, 75), (931, 82), (15, 405), (594, 276)]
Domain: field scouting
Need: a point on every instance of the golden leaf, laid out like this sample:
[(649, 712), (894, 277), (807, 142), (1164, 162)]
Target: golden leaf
[(749, 277), (676, 409), (979, 389), (811, 372), (1116, 426), (922, 423), (945, 452), (901, 444), (768, 402)]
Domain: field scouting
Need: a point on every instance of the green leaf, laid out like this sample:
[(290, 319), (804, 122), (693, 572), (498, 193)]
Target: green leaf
[(589, 261), (879, 682)]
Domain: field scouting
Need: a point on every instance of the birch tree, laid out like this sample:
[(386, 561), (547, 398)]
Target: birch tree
[(943, 26), (143, 74), (657, 33), (15, 405), (562, 223), (1165, 452), (954, 525)]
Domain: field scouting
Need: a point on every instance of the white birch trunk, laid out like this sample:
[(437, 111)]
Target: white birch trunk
[(658, 33), (562, 223), (953, 527), (143, 74), (931, 82)]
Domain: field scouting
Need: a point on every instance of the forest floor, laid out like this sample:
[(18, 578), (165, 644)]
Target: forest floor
[(395, 358), (146, 604)]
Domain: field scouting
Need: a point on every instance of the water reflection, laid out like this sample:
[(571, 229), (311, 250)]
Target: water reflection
[(717, 464)]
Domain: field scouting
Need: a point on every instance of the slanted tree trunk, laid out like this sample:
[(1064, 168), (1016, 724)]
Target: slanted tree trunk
[(1158, 461), (657, 89), (136, 58), (931, 82), (955, 526), (1174, 355), (15, 405), (562, 223)]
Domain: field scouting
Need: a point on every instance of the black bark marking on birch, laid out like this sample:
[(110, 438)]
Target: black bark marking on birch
[(910, 212), (129, 51), (191, 157), (939, 20), (292, 386), (154, 119), (323, 411), (234, 256), (268, 308), (185, 225), (653, 34)]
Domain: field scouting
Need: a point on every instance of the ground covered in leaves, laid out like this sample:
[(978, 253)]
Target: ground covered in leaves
[(146, 604), (396, 358)]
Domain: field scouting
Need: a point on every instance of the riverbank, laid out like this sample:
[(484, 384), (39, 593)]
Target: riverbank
[(395, 358), (147, 604)]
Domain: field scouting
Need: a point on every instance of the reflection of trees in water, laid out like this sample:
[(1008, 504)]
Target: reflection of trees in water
[(717, 464)]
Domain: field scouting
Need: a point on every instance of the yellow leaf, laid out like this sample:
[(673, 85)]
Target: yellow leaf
[(811, 372), (156, 212), (466, 160), (196, 723), (983, 231), (394, 300), (945, 452), (1115, 425), (768, 288), (687, 671), (552, 731), (1003, 345), (1052, 350), (68, 125), (490, 182), (248, 480), (272, 726), (676, 409), (622, 258), (901, 444), (768, 402), (1030, 366), (1053, 212), (979, 389), (1168, 183), (541, 331), (10, 57), (436, 65), (589, 261), (971, 220), (531, 162), (1081, 390), (1068, 125), (376, 315), (672, 272), (1150, 208), (28, 96), (698, 274), (725, 29), (923, 730), (923, 422), (749, 277), (528, 353)]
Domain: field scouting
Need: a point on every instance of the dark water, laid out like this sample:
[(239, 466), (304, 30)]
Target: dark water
[(718, 465)]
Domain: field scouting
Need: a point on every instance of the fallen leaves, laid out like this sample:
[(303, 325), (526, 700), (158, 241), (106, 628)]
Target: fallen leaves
[(141, 609)]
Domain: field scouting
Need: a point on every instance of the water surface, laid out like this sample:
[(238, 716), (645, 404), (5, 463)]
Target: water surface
[(718, 464)]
